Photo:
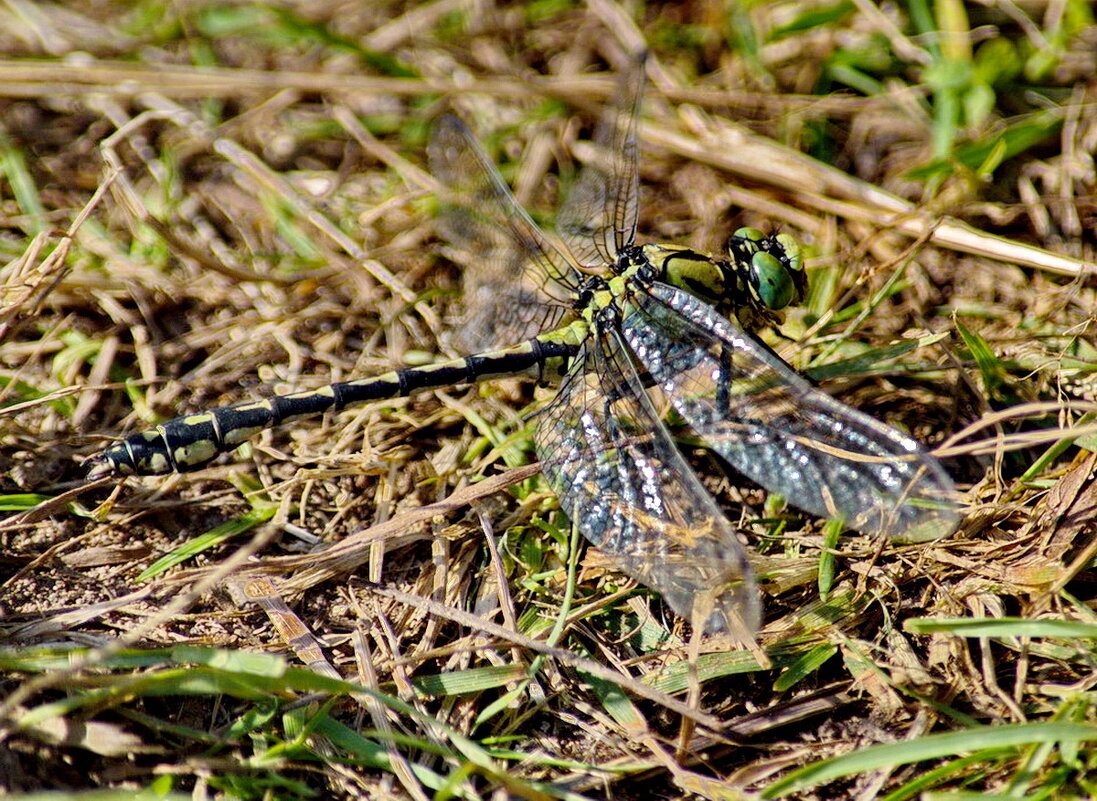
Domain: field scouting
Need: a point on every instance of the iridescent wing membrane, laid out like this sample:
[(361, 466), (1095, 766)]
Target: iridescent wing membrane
[(773, 427), (516, 283), (623, 482), (607, 454), (598, 219)]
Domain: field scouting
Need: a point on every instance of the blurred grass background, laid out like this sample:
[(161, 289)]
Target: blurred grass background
[(202, 202)]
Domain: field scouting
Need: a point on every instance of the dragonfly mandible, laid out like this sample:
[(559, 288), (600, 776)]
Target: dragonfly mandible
[(633, 327)]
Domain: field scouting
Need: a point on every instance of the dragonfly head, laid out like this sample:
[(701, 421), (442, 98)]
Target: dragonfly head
[(774, 266)]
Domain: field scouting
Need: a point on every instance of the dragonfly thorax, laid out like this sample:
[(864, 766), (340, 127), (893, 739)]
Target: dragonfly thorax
[(598, 300), (635, 260), (585, 298), (695, 272)]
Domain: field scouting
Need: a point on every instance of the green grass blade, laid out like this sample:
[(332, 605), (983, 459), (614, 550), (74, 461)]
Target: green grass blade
[(933, 746)]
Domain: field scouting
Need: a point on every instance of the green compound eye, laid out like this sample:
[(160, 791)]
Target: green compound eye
[(775, 286), (793, 252), (753, 234)]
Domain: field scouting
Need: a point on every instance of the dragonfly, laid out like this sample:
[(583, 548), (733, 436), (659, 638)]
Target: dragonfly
[(629, 332)]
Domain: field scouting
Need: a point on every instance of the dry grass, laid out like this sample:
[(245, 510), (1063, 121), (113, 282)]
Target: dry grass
[(221, 200)]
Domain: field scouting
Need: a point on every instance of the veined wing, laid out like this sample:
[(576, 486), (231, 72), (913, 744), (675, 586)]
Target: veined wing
[(773, 427), (598, 218), (516, 279), (623, 482)]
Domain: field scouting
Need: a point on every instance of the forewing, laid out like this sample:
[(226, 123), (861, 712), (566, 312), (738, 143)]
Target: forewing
[(623, 482), (513, 272), (772, 426), (598, 218)]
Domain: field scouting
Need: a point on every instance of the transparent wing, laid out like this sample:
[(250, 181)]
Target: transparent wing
[(623, 482), (773, 427), (598, 218), (516, 280)]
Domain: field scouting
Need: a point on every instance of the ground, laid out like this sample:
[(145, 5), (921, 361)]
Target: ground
[(207, 202)]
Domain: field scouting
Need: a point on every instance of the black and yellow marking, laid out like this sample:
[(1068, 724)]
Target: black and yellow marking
[(192, 441)]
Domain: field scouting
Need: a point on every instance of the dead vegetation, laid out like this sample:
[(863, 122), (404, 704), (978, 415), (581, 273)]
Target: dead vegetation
[(210, 201)]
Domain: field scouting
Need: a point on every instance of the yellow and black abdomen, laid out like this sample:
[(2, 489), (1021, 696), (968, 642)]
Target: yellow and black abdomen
[(191, 441)]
